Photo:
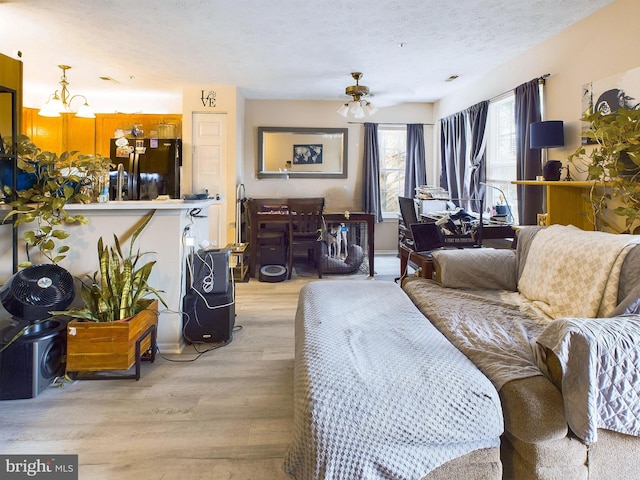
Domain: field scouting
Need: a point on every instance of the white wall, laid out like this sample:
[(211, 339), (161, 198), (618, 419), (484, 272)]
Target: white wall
[(339, 194), (603, 44), (229, 102)]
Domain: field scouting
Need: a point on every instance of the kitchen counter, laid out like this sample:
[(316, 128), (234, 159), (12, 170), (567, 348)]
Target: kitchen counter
[(171, 204), (164, 238)]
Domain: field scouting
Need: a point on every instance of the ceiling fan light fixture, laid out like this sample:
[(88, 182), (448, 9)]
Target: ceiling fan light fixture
[(358, 111), (370, 109), (358, 107), (344, 110)]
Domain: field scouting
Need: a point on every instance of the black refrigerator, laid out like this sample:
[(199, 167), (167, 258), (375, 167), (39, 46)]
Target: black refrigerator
[(151, 167)]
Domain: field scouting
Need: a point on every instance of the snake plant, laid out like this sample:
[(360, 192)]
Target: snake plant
[(120, 288)]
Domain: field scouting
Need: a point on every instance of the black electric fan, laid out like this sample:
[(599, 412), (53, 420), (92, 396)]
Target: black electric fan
[(33, 292)]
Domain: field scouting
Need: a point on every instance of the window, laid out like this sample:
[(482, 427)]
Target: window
[(501, 154), (392, 141)]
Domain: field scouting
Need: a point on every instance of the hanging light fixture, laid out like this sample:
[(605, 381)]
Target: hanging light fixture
[(358, 107), (60, 100)]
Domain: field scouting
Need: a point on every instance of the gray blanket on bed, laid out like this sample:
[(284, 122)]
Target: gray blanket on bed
[(379, 393)]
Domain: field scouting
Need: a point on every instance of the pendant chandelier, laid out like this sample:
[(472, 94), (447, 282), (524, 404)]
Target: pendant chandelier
[(60, 100)]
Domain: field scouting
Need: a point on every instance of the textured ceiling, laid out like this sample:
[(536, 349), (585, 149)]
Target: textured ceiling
[(276, 49)]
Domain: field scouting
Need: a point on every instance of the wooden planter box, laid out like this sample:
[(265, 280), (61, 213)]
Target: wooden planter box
[(108, 346)]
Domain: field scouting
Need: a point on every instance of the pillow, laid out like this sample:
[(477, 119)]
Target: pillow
[(482, 268)]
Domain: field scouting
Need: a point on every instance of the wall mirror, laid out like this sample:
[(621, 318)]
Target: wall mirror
[(302, 152)]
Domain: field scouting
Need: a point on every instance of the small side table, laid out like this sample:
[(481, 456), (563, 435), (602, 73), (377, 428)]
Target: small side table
[(239, 251), (423, 262)]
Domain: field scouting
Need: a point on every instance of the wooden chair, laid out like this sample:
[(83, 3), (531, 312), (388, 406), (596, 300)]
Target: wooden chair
[(305, 228)]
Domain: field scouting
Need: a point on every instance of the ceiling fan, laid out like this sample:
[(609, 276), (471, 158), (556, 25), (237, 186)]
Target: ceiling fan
[(358, 107)]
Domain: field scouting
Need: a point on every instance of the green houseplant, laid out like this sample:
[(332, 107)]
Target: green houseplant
[(120, 288), (613, 163), (56, 182)]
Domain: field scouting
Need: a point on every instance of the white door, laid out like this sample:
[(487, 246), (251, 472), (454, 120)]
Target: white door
[(209, 166)]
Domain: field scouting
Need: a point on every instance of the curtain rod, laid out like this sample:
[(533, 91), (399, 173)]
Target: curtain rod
[(541, 78), (393, 123)]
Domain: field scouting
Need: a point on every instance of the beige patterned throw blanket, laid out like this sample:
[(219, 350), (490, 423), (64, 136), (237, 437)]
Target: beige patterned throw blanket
[(573, 273)]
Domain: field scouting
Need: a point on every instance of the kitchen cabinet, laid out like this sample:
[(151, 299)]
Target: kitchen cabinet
[(65, 133), (108, 123), (89, 135)]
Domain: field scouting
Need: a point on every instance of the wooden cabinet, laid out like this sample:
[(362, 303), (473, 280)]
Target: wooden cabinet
[(89, 135), (65, 133), (566, 202), (108, 123)]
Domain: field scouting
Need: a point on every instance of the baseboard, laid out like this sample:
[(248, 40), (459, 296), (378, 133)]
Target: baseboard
[(386, 252)]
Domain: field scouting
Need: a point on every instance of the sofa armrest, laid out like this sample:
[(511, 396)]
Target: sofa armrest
[(484, 268), (599, 359), (533, 410)]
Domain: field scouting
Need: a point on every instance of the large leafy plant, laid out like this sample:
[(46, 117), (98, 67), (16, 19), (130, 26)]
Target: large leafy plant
[(614, 165), (120, 288), (57, 181)]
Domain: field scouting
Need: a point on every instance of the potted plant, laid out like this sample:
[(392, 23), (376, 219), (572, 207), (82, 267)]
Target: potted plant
[(120, 308), (48, 183), (613, 163)]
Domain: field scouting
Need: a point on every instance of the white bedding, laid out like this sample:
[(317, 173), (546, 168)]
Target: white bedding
[(379, 393)]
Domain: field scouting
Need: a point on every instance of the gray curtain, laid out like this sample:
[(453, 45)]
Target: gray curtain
[(463, 145), (371, 184), (527, 111), (453, 147), (477, 117), (415, 173)]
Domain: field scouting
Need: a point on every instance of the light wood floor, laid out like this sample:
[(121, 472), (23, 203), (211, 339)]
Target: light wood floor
[(226, 415)]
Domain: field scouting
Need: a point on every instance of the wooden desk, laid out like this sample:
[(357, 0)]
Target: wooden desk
[(263, 218), (424, 262)]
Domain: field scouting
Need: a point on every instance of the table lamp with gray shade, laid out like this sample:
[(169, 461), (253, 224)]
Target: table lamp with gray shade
[(548, 134)]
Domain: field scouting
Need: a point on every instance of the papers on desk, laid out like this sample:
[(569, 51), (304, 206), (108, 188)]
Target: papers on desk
[(431, 192)]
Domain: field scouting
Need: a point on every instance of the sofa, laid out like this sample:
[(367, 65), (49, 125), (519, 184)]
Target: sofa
[(383, 374), (554, 325)]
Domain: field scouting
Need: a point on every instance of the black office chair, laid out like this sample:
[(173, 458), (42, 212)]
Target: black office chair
[(409, 216)]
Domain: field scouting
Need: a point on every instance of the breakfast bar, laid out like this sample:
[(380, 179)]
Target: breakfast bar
[(162, 239)]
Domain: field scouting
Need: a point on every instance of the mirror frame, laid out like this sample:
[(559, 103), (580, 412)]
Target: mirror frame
[(263, 133)]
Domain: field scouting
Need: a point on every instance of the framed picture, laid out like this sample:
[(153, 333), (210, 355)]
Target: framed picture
[(610, 94), (308, 153)]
